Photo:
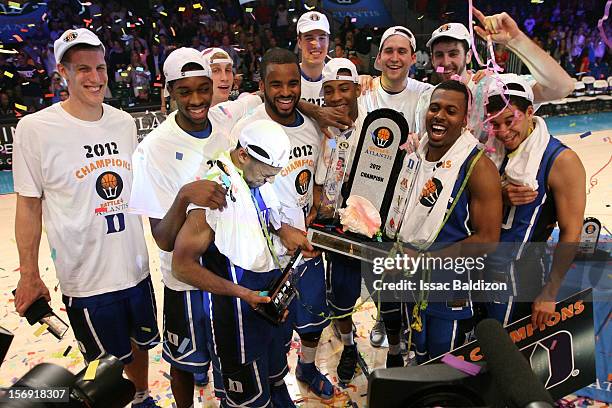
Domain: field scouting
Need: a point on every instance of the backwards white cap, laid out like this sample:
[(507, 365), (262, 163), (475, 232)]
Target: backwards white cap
[(208, 53), (180, 57), (497, 88), (266, 141), (334, 65), (396, 30), (73, 37), (453, 30), (312, 20)]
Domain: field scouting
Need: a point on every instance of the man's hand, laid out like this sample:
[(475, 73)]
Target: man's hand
[(367, 83), (332, 117), (412, 143), (501, 27), (478, 76), (311, 216), (293, 238), (205, 193), (28, 291), (518, 195), (543, 306), (254, 299)]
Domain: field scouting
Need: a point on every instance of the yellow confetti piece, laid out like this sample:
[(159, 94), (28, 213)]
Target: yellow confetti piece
[(90, 373), (197, 6), (14, 4), (573, 124), (163, 13), (22, 107), (148, 330), (249, 9), (41, 329), (181, 9), (124, 74), (8, 74)]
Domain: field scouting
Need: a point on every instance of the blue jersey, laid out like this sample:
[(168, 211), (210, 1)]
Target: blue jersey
[(457, 228), (534, 222)]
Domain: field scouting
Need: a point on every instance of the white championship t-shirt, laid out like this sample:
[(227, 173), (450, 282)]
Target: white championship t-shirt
[(169, 158), (83, 172), (293, 185), (311, 91), (405, 102)]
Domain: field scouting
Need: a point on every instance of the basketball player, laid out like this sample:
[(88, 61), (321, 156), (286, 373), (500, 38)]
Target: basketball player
[(455, 198), (164, 164), (294, 188), (77, 155), (543, 184), (394, 90), (313, 43), (341, 88), (237, 253)]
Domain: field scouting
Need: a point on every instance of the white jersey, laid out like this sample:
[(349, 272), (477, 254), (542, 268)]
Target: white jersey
[(169, 158), (83, 172), (311, 91), (294, 184), (325, 156), (405, 102)]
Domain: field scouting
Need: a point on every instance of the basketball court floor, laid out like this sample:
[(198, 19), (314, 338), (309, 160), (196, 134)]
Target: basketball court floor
[(30, 348)]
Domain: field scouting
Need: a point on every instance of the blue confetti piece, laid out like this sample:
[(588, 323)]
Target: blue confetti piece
[(53, 254), (179, 156), (331, 143), (585, 134), (183, 345)]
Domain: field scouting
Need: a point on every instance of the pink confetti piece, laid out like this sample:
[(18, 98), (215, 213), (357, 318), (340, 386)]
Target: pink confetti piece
[(461, 365)]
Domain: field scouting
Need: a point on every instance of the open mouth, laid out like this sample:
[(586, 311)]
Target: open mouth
[(94, 89), (438, 131), (198, 113), (285, 103)]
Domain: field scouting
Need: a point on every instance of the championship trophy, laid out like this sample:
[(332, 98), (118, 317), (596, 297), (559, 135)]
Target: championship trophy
[(372, 179), (281, 292)]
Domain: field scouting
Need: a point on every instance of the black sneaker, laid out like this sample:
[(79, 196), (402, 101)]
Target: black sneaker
[(347, 364), (378, 334), (395, 360)]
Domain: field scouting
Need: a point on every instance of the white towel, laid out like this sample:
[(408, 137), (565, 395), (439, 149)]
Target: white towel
[(238, 233), (523, 163), (430, 192)]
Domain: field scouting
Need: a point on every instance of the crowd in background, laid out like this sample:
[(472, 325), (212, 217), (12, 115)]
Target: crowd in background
[(138, 39)]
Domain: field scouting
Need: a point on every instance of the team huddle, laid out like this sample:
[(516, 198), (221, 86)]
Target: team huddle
[(230, 187)]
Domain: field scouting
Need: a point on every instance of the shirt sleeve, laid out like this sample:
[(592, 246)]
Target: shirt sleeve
[(27, 169)]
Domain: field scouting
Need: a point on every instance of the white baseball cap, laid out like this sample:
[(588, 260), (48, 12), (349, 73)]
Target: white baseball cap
[(266, 141), (208, 56), (180, 57), (496, 87), (312, 20), (334, 65), (73, 37), (396, 30), (453, 30)]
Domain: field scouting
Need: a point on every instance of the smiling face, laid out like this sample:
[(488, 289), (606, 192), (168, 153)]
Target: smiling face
[(222, 78), (451, 55), (85, 73), (396, 58), (342, 93), (511, 126), (446, 115), (314, 46), (193, 97), (282, 91)]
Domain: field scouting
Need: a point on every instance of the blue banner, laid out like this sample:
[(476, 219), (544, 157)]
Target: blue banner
[(361, 12), (13, 21)]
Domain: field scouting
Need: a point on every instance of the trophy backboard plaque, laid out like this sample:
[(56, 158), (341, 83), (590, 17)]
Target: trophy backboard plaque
[(375, 167)]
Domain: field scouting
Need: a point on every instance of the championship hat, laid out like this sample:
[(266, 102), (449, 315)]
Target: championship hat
[(334, 65), (453, 30), (73, 37), (180, 57), (312, 20), (396, 30), (266, 141), (208, 53), (497, 88)]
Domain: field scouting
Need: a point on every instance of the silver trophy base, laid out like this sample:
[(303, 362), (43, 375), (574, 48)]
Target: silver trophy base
[(344, 245)]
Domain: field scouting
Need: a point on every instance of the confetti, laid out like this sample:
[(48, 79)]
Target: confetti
[(197, 6), (573, 124), (585, 134), (249, 9), (21, 107), (183, 345), (14, 4), (53, 254), (163, 13), (179, 156), (8, 74), (67, 351), (440, 70), (18, 38), (147, 329), (180, 9), (90, 373), (41, 330)]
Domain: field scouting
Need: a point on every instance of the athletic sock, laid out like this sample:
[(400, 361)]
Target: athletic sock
[(347, 339), (308, 354)]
